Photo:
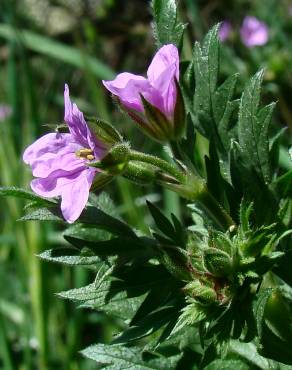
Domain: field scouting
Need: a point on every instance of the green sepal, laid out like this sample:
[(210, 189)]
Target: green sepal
[(161, 127), (115, 161), (103, 131), (179, 115)]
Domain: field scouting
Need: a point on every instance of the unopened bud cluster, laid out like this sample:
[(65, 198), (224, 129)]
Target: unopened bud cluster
[(217, 268)]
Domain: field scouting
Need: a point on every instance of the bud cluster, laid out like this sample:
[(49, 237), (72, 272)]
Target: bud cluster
[(218, 268)]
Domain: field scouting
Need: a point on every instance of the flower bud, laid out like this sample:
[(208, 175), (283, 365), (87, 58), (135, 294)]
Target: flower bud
[(140, 173), (221, 241), (217, 263), (201, 293), (155, 102)]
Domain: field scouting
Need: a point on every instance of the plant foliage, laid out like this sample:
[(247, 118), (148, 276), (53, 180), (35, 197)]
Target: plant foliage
[(194, 294)]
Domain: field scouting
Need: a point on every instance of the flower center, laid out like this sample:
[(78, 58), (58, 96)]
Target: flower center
[(85, 153)]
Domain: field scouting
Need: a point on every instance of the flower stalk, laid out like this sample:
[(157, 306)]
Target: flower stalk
[(163, 165), (188, 185)]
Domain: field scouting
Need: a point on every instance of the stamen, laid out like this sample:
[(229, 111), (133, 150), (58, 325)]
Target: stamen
[(85, 153)]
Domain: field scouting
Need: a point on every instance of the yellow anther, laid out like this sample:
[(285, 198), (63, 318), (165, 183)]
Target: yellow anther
[(85, 153)]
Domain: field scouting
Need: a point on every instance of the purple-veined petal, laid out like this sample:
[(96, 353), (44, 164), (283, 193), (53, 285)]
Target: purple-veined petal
[(127, 87), (75, 121), (78, 126), (52, 152)]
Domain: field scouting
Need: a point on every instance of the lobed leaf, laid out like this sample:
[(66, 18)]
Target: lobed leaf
[(167, 28), (117, 357), (253, 125), (25, 194), (68, 256), (90, 216)]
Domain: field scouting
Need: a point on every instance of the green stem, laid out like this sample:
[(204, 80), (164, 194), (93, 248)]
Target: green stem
[(190, 187), (158, 162)]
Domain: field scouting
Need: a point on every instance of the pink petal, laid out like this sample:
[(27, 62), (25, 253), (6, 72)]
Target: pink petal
[(166, 57), (72, 187), (167, 89), (127, 87), (78, 127), (253, 32), (75, 195), (52, 152)]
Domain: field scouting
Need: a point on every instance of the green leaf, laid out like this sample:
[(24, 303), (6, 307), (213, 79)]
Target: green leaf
[(120, 357), (253, 125), (191, 314), (163, 224), (283, 268), (259, 308), (57, 50), (43, 214), (150, 323), (87, 293), (206, 66), (283, 185), (86, 232), (117, 246), (273, 316), (69, 256), (213, 106), (167, 28), (25, 194), (248, 351), (245, 211), (227, 365), (90, 216), (131, 281), (96, 296), (155, 298), (224, 107)]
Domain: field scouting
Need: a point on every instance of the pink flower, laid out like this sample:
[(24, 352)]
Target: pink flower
[(253, 32), (60, 162), (224, 31), (159, 88)]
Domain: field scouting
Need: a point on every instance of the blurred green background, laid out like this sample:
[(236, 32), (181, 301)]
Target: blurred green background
[(45, 43)]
